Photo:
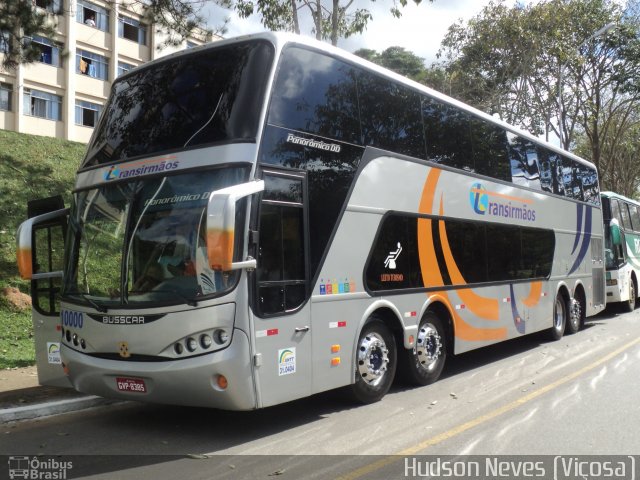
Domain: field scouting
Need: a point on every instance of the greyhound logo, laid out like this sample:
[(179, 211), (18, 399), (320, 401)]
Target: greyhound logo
[(390, 261)]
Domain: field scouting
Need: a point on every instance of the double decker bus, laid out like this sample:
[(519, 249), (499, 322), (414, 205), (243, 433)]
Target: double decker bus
[(622, 249), (265, 218)]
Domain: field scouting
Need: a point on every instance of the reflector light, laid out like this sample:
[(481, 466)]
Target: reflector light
[(205, 341), (335, 348), (222, 382), (335, 361)]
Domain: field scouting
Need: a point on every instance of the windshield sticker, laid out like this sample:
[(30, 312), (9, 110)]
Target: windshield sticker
[(53, 353), (286, 361), (176, 199), (331, 287), (144, 167)]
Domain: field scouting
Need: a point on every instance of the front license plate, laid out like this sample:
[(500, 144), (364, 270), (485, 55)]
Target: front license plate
[(131, 385)]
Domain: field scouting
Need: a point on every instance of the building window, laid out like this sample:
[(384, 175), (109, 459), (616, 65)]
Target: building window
[(42, 104), (132, 30), (51, 6), (124, 68), (6, 92), (93, 16), (4, 41), (87, 113), (49, 51), (92, 64)]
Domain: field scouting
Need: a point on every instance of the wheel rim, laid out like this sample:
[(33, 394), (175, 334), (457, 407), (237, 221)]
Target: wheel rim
[(558, 321), (428, 347), (373, 358), (576, 313), (632, 294)]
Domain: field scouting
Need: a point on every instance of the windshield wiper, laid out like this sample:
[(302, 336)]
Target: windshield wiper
[(98, 306), (192, 302)]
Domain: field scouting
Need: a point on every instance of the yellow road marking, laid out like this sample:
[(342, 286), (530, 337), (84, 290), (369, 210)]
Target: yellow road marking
[(484, 418)]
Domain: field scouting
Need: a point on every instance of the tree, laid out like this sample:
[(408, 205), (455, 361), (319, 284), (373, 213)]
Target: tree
[(541, 67), (397, 59), (331, 19), (19, 21)]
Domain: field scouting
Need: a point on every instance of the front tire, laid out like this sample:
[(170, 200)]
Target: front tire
[(560, 311), (423, 364), (376, 359)]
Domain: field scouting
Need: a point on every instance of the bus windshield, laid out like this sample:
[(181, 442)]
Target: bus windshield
[(142, 242), (210, 97)]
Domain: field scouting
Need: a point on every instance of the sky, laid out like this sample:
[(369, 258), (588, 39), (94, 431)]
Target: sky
[(420, 29)]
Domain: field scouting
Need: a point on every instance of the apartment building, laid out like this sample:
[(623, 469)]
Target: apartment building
[(63, 93)]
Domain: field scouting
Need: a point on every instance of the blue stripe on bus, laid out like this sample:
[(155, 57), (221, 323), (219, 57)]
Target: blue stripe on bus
[(517, 319), (578, 227), (585, 241)]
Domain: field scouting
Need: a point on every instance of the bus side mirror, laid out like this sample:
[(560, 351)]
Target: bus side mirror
[(40, 230), (614, 228), (221, 224)]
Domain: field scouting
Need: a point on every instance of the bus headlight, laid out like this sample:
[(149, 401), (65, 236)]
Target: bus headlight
[(192, 344), (205, 341), (221, 336)]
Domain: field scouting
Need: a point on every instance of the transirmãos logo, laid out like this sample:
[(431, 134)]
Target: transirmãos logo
[(486, 202), (144, 167), (479, 198)]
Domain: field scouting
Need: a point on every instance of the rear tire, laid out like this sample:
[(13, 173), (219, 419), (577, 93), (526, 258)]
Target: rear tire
[(576, 316), (630, 305), (376, 359), (423, 364), (560, 312)]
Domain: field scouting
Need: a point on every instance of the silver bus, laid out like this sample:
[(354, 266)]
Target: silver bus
[(265, 218)]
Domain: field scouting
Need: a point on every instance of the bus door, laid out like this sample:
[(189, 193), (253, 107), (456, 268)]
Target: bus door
[(40, 259), (282, 327)]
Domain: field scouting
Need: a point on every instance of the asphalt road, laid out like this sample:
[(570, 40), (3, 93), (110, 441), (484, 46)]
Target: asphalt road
[(574, 397)]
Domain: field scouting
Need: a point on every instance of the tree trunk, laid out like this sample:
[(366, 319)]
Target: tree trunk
[(294, 16), (335, 18), (318, 19)]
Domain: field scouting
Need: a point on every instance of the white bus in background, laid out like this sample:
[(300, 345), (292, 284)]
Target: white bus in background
[(622, 248), (268, 217)]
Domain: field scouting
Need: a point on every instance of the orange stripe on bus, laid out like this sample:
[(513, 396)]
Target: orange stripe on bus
[(428, 262), (487, 308), (534, 295), (501, 195)]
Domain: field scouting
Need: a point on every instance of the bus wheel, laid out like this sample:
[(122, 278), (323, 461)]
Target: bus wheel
[(630, 305), (375, 362), (575, 316), (559, 318), (423, 364)]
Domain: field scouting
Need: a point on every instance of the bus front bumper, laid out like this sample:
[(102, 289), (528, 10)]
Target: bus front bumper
[(191, 381)]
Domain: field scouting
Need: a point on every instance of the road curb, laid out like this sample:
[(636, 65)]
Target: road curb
[(56, 407)]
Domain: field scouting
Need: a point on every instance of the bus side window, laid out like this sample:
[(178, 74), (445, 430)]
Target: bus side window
[(390, 116), (281, 272), (635, 217), (448, 135)]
